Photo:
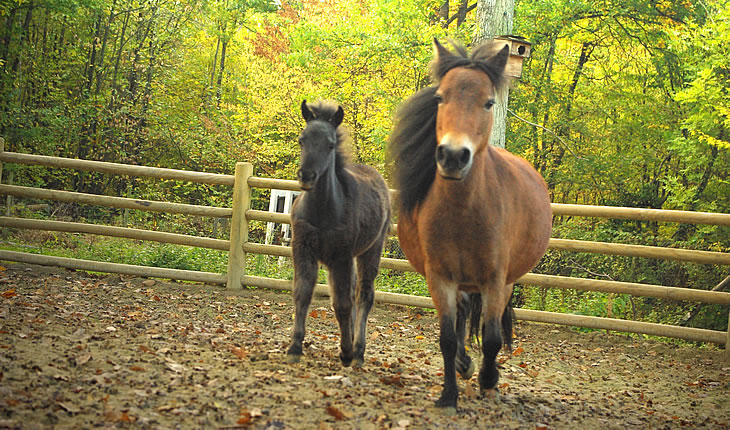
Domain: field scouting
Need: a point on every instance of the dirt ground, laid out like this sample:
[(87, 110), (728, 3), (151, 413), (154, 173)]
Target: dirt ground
[(82, 351)]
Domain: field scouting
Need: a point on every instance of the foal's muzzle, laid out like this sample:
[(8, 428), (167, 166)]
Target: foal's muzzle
[(307, 178), (453, 160)]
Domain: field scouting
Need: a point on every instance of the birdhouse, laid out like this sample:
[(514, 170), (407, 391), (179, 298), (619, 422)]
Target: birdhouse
[(519, 49)]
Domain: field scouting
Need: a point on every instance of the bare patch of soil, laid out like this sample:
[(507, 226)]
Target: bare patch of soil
[(81, 351)]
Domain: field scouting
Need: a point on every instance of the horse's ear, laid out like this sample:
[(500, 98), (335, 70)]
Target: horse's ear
[(499, 61), (337, 118), (306, 113), (439, 51)]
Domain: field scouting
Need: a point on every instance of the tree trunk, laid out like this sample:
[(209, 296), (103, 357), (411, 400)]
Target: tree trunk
[(563, 129), (461, 13), (99, 68), (219, 86), (538, 139), (92, 57), (23, 38), (494, 18), (7, 37), (444, 14)]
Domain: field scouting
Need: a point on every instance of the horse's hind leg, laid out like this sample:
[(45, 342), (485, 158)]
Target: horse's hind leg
[(494, 306), (367, 269), (464, 364), (305, 276), (341, 283)]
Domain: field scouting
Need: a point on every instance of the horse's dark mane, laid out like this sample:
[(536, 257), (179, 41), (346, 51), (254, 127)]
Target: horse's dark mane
[(412, 147), (325, 111), (413, 141)]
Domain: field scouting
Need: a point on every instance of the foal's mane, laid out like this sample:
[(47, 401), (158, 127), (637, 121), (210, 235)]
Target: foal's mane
[(413, 141), (325, 111)]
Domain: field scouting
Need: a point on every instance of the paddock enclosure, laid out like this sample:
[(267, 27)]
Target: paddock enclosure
[(238, 245)]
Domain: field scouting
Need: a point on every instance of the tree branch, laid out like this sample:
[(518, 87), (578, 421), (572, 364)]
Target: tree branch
[(560, 139)]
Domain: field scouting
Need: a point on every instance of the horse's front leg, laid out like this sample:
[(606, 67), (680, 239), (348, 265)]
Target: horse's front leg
[(367, 269), (305, 276), (495, 319), (342, 283), (444, 295)]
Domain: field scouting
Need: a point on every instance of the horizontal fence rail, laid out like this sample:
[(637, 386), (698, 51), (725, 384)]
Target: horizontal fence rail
[(240, 215), (125, 269), (123, 232), (686, 333), (115, 202), (117, 168), (688, 255), (640, 214)]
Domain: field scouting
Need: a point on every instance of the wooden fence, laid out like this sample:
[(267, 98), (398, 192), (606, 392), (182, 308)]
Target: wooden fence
[(238, 245)]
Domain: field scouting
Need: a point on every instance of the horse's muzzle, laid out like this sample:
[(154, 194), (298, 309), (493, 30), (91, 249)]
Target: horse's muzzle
[(453, 161)]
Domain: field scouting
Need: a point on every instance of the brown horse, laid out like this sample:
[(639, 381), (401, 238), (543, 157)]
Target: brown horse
[(342, 215), (473, 217)]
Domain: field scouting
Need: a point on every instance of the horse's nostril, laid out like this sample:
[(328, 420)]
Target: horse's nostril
[(306, 176), (465, 156), (440, 153)]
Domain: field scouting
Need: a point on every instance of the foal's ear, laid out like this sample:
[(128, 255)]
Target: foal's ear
[(306, 113), (337, 118), (499, 61)]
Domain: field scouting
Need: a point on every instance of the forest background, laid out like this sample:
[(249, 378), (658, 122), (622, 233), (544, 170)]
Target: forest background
[(622, 103)]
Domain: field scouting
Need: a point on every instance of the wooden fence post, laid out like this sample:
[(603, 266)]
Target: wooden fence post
[(239, 224), (2, 148), (727, 342)]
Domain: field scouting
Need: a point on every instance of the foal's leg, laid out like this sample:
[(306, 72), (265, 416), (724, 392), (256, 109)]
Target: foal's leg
[(341, 283), (305, 276), (367, 269), (494, 304), (464, 365), (444, 295)]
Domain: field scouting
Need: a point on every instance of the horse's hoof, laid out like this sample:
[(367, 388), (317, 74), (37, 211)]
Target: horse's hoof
[(293, 358), (468, 372), (357, 363), (446, 403), (490, 394), (345, 360), (448, 411)]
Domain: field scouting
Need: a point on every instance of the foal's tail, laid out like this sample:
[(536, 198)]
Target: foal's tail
[(475, 319)]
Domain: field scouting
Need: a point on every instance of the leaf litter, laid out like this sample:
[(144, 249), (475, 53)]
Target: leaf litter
[(78, 350)]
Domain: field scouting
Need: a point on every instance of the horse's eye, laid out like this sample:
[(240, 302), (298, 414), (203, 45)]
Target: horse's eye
[(438, 99), (488, 105)]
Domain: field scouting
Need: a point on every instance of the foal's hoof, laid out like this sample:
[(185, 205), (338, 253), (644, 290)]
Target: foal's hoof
[(293, 358), (357, 363)]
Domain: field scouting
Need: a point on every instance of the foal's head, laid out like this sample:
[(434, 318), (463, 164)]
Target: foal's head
[(465, 95), (319, 142)]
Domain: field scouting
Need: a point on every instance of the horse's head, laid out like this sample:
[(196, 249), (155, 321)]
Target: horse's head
[(465, 96), (318, 142)]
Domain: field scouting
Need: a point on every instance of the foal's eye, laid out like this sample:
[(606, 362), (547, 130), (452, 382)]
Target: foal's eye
[(488, 105), (438, 99)]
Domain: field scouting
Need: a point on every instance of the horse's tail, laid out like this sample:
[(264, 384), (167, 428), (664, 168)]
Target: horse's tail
[(475, 319)]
